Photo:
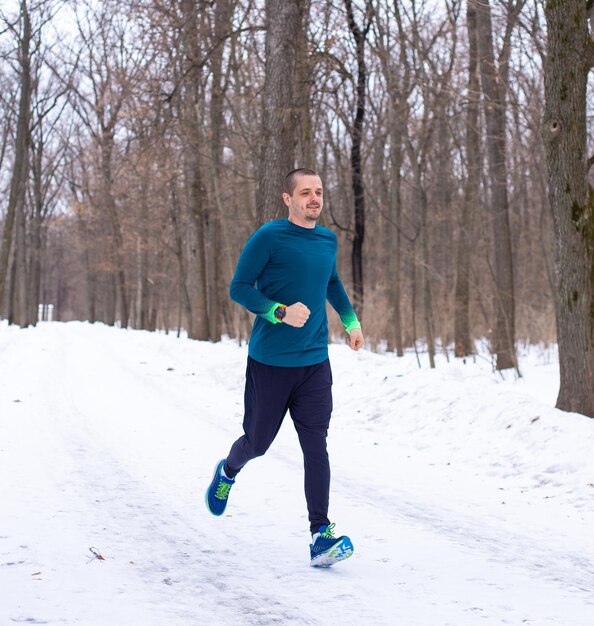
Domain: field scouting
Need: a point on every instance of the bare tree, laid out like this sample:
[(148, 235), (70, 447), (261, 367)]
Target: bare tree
[(462, 340), (397, 75), (77, 176), (196, 189), (569, 59), (305, 80), (48, 148), (494, 82), (359, 34), (215, 235), (18, 184), (277, 152), (106, 69), (173, 103)]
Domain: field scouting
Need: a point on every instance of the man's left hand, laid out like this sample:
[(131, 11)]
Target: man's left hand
[(356, 340)]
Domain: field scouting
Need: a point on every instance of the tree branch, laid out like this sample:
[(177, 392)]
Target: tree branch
[(198, 64)]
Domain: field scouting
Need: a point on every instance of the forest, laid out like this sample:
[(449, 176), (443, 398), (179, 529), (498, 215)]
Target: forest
[(143, 141)]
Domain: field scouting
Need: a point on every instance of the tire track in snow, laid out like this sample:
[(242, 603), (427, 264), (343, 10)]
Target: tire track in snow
[(172, 524), (172, 554), (535, 556), (188, 560)]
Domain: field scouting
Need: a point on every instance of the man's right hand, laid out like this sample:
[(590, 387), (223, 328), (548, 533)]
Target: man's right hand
[(297, 315)]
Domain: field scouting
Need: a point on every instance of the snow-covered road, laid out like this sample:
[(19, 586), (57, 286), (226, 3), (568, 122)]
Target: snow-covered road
[(468, 499)]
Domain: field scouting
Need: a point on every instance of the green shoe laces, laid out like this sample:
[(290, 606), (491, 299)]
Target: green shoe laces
[(328, 534), (223, 489)]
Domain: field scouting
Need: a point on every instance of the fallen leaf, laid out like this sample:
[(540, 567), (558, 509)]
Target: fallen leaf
[(97, 554)]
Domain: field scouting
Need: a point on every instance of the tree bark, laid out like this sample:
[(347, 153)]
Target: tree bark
[(494, 102), (21, 271), (399, 86), (143, 245), (198, 201), (462, 341), (305, 73), (396, 159), (360, 37), (572, 200), (184, 296), (117, 239), (277, 151), (18, 182), (85, 237), (222, 25), (425, 278), (36, 244)]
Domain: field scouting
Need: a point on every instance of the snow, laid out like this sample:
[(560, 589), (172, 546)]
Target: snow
[(468, 497)]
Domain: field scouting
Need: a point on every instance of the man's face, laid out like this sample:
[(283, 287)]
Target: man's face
[(306, 202)]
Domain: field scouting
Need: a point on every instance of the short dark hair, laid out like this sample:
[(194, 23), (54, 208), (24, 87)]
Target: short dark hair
[(291, 178)]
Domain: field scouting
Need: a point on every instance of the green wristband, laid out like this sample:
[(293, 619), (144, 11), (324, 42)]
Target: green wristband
[(269, 315), (354, 324)]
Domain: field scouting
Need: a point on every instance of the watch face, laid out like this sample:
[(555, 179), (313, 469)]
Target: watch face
[(280, 312)]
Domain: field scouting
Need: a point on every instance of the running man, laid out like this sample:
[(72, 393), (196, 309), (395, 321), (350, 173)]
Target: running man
[(284, 275)]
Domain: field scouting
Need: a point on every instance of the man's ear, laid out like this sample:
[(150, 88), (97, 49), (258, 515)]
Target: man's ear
[(287, 198)]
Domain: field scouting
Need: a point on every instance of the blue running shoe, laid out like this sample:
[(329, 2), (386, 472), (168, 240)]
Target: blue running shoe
[(218, 490), (328, 549)]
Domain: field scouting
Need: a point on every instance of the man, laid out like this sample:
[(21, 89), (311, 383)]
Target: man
[(284, 275)]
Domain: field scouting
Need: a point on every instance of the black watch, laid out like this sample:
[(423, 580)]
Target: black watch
[(280, 312)]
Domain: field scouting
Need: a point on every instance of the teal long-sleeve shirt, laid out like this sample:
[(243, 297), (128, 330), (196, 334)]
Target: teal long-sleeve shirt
[(283, 263)]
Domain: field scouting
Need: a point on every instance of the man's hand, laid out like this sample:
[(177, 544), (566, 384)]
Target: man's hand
[(356, 340), (297, 315)]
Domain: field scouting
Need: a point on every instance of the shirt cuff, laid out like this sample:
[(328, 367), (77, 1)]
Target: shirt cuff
[(354, 324), (269, 315)]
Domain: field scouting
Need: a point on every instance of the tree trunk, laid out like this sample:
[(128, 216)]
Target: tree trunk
[(184, 296), (462, 341), (198, 200), (360, 37), (305, 73), (494, 93), (36, 244), (277, 151), (22, 270), (10, 314), (441, 221), (111, 304), (142, 255), (398, 79), (396, 158), (117, 239), (223, 15), (85, 242), (572, 200), (425, 278), (35, 254), (18, 182)]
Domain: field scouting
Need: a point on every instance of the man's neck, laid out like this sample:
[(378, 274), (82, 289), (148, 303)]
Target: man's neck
[(307, 224)]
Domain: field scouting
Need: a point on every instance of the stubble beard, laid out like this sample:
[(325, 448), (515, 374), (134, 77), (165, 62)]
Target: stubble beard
[(313, 218), (303, 213)]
